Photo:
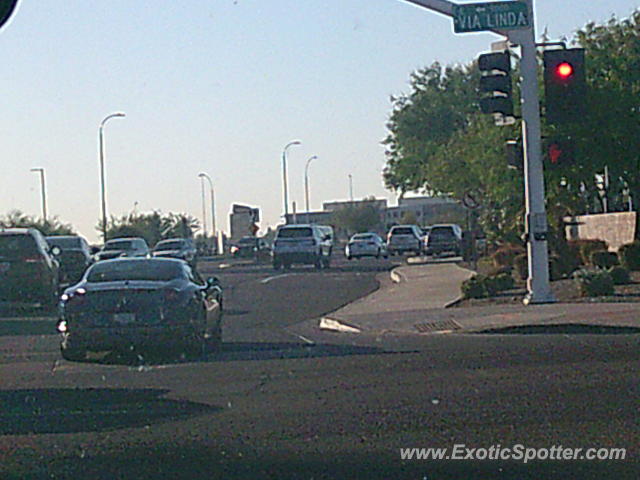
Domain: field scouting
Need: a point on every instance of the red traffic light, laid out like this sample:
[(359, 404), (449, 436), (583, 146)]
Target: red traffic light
[(564, 70)]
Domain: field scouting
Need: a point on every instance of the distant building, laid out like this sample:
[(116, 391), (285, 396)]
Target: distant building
[(243, 221), (425, 210)]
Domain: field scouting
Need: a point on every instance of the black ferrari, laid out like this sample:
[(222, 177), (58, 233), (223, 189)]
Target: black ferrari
[(140, 304)]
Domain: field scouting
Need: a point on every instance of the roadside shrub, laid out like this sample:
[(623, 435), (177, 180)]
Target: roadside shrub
[(499, 282), (498, 270), (521, 265), (474, 287), (568, 258), (594, 282), (556, 271), (585, 247), (504, 256), (604, 259), (629, 256), (620, 275)]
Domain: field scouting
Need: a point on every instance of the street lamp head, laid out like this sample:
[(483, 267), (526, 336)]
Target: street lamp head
[(294, 142), (37, 169)]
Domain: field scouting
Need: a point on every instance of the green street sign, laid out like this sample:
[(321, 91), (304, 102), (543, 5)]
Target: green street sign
[(6, 9), (478, 17)]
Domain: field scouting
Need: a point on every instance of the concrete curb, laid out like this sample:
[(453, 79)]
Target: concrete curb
[(397, 277), (333, 325)]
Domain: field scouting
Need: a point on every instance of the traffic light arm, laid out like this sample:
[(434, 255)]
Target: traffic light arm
[(446, 8)]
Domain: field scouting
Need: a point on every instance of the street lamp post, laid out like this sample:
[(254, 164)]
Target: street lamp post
[(204, 209), (351, 188), (284, 176), (306, 184), (102, 179), (43, 191), (203, 175)]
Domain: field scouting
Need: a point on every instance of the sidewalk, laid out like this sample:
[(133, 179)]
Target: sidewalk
[(412, 299)]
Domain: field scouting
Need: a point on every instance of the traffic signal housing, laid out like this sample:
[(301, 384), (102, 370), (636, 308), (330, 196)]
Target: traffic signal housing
[(495, 83), (565, 85)]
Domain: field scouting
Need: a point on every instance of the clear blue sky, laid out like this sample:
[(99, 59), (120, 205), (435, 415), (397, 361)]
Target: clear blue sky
[(218, 86)]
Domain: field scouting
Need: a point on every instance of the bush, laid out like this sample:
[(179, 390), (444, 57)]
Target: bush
[(504, 256), (594, 283), (556, 268), (585, 247), (620, 275), (521, 265), (474, 287), (498, 270), (629, 256), (604, 259), (498, 283), (570, 258)]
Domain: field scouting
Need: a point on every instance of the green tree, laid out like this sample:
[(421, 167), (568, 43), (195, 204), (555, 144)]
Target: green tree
[(360, 217), (153, 226), (52, 226), (610, 132)]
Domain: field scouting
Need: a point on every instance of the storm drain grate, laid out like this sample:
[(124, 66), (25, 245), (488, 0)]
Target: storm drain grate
[(437, 326)]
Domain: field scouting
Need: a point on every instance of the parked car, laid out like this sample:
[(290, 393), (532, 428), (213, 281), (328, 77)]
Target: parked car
[(29, 273), (140, 303), (123, 247), (404, 238), (73, 254), (444, 238), (182, 248), (366, 245), (250, 247), (303, 244)]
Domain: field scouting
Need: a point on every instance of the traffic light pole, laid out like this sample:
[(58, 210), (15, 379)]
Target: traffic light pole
[(538, 287), (536, 230)]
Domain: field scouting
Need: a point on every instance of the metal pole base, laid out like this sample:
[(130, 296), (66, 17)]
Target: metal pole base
[(532, 299)]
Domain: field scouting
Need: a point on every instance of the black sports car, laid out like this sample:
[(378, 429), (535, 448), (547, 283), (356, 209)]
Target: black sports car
[(138, 303)]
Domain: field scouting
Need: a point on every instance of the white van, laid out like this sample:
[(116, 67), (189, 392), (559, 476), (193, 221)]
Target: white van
[(303, 244)]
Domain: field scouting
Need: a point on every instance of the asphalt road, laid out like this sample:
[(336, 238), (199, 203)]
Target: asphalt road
[(274, 403)]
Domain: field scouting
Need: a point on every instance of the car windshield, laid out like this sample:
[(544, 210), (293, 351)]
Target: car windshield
[(119, 245), (402, 231), (64, 242), (11, 245), (247, 241), (171, 245), (302, 232), (441, 232), (363, 237), (120, 270)]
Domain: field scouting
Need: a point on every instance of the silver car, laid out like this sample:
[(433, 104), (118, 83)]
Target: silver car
[(404, 238), (366, 245)]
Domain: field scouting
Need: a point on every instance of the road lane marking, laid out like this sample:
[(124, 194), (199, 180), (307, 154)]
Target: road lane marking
[(268, 279)]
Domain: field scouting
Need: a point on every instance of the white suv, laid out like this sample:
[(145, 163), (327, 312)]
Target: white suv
[(404, 238), (302, 244)]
